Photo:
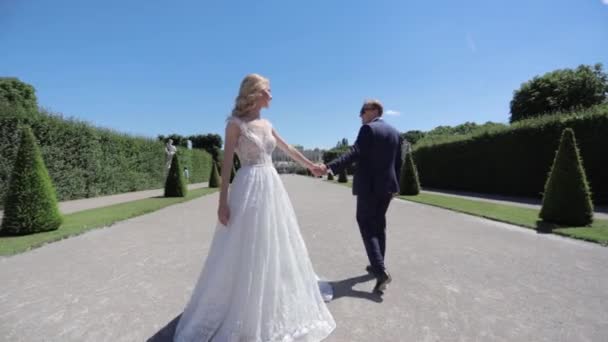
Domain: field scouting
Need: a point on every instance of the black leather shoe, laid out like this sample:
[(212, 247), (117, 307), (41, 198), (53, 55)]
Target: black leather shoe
[(382, 281)]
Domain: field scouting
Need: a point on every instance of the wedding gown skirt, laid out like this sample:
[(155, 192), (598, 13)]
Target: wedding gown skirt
[(258, 283)]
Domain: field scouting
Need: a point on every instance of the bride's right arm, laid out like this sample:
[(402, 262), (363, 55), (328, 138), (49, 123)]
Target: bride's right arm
[(232, 136)]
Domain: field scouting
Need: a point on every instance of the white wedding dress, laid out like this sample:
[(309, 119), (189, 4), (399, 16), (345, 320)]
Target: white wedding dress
[(258, 283)]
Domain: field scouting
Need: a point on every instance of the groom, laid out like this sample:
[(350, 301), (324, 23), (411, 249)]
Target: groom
[(377, 152)]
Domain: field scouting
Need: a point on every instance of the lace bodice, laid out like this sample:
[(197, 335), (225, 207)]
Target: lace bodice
[(256, 142)]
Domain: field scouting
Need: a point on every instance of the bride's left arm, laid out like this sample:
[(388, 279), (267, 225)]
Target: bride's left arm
[(292, 152)]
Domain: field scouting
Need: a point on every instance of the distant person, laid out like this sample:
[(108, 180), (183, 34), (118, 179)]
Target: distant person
[(186, 173)]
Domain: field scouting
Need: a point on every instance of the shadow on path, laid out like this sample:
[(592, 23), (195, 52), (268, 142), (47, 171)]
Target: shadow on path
[(166, 333), (344, 288)]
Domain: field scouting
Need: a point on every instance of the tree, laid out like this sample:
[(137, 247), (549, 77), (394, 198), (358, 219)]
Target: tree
[(334, 153), (560, 90), (211, 143), (444, 133), (175, 186), (331, 155), (214, 179), (16, 93), (178, 140), (408, 181), (342, 144), (465, 128), (567, 197), (31, 202), (412, 136)]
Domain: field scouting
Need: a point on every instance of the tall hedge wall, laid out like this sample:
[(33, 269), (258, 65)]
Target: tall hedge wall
[(86, 161), (516, 160)]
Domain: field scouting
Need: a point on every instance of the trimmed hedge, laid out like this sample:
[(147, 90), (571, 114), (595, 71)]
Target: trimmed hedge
[(567, 199), (31, 204), (86, 161), (335, 153), (198, 162), (515, 160)]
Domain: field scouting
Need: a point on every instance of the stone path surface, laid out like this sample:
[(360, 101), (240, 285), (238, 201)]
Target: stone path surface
[(456, 277)]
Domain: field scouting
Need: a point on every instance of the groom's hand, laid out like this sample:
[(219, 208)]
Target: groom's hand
[(319, 170)]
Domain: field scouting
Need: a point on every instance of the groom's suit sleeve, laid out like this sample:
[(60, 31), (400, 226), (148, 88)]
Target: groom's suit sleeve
[(361, 147)]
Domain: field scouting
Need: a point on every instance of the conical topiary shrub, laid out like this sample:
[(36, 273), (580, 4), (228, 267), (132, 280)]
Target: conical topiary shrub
[(214, 179), (342, 178), (236, 162), (232, 174), (567, 198), (175, 186), (408, 180), (31, 203), (330, 176)]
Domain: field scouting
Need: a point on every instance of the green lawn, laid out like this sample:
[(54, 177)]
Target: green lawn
[(524, 217), (82, 221)]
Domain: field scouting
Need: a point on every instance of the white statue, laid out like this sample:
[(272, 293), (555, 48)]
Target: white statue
[(170, 150)]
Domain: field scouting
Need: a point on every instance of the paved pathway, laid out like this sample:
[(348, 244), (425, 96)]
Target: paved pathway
[(456, 277)]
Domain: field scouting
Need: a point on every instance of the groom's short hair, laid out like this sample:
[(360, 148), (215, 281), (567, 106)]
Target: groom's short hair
[(375, 104)]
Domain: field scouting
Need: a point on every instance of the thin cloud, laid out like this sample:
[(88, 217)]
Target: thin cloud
[(471, 42), (605, 2), (396, 113)]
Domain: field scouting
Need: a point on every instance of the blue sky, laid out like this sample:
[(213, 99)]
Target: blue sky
[(160, 67)]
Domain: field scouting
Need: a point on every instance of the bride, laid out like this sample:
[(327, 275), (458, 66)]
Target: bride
[(258, 283)]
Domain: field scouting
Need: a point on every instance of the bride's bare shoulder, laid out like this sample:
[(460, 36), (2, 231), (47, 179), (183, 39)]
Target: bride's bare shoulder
[(267, 122), (233, 126)]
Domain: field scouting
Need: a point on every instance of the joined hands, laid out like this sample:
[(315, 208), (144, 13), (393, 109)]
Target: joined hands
[(319, 170)]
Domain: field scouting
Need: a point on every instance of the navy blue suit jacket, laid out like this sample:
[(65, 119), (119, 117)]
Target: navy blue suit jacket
[(377, 152)]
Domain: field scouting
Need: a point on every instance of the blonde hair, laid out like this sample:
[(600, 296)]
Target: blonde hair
[(251, 89)]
